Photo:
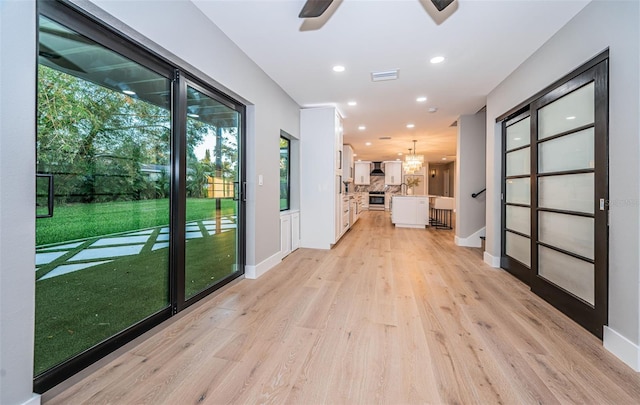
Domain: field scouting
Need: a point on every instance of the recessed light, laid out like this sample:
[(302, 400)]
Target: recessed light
[(571, 118), (352, 103), (432, 109), (397, 159), (367, 143), (338, 68), (437, 59), (421, 99), (129, 92), (444, 158), (399, 153), (355, 154), (411, 126), (362, 127)]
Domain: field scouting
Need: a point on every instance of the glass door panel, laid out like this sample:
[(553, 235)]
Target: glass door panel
[(518, 191), (567, 113), (569, 192), (572, 233), (573, 275), (519, 162), (213, 133), (103, 137), (519, 248), (518, 134), (518, 219), (569, 152)]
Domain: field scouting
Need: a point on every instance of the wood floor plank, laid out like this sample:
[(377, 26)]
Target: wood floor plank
[(387, 316)]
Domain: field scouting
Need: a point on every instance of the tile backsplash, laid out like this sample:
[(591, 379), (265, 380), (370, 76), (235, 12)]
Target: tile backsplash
[(377, 184)]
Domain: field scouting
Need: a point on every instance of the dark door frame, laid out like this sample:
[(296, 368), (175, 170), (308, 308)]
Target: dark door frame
[(78, 20)]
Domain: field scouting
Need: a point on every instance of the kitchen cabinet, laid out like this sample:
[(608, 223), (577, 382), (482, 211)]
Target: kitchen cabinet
[(393, 173), (364, 199), (289, 232), (362, 173), (347, 163), (410, 211), (345, 214), (321, 174)]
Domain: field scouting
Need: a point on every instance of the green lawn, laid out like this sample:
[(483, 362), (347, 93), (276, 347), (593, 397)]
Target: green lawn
[(75, 311), (80, 221)]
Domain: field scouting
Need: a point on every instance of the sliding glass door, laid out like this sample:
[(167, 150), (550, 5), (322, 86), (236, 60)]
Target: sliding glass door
[(212, 179), (138, 201)]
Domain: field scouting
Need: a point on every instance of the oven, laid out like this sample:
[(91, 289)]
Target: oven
[(376, 200)]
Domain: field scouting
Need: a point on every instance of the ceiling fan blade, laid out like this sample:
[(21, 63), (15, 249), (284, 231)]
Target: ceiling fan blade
[(314, 8), (441, 4)]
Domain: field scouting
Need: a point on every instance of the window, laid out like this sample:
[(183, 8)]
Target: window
[(285, 174)]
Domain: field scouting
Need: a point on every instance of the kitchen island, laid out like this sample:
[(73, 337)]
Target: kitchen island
[(410, 211)]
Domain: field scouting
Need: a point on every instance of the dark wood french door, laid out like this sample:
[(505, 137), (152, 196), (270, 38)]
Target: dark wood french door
[(555, 195)]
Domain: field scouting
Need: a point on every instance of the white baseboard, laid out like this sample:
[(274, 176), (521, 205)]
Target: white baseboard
[(472, 240), (253, 272), (34, 400), (493, 261), (622, 348)]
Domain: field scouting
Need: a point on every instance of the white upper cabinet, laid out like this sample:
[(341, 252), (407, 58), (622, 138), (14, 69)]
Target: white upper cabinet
[(362, 173), (393, 173)]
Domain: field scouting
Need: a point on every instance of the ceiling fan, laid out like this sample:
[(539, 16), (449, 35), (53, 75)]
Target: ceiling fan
[(315, 8)]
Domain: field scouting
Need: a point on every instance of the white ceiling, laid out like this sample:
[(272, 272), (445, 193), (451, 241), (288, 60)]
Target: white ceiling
[(483, 41)]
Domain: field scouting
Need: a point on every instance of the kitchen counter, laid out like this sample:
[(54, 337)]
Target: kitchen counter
[(410, 211)]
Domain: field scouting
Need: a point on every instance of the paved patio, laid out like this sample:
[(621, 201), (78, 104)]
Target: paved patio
[(67, 257)]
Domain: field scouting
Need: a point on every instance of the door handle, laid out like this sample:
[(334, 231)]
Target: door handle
[(50, 195)]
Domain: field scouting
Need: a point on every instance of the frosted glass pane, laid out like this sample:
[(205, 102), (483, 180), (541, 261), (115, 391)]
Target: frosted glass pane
[(571, 192), (571, 111), (518, 191), (519, 134), (519, 162), (569, 232), (518, 247), (569, 152), (569, 273), (518, 219)]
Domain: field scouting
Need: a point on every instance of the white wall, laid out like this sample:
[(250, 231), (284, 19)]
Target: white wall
[(600, 25), (470, 178), (207, 50), (17, 199)]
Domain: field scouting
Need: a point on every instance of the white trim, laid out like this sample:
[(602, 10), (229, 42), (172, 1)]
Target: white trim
[(472, 240), (622, 348), (34, 400), (253, 272), (493, 261)]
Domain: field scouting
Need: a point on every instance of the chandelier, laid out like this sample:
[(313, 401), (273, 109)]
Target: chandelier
[(413, 162)]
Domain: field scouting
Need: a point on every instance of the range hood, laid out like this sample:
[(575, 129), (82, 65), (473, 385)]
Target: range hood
[(377, 171)]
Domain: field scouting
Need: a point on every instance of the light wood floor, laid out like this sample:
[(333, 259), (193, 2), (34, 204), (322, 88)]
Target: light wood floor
[(393, 316)]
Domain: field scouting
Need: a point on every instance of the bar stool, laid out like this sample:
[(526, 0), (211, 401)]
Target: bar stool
[(442, 212)]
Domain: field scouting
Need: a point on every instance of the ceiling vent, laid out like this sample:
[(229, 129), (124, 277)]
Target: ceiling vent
[(386, 75), (384, 137)]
